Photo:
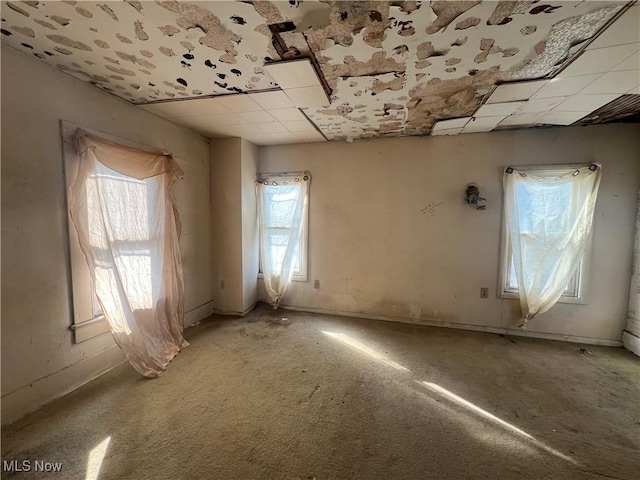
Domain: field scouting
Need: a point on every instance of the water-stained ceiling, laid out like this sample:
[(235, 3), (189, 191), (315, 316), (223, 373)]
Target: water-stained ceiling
[(393, 67)]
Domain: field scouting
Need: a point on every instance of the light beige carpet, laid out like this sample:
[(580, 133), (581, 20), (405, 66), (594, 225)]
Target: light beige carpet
[(323, 397)]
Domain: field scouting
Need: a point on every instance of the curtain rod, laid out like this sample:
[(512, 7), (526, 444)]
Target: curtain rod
[(282, 174), (106, 137), (592, 166)]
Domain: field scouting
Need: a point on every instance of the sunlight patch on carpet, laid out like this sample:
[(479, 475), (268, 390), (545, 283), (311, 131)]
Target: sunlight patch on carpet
[(96, 456), (465, 403), (361, 347)]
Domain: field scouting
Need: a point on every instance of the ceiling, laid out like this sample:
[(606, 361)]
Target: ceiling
[(391, 68)]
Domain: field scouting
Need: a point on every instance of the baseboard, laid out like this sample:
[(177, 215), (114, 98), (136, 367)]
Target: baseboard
[(234, 313), (199, 313), (29, 398), (631, 342), (252, 307), (460, 326)]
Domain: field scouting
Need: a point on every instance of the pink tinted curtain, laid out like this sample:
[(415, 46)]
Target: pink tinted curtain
[(124, 211)]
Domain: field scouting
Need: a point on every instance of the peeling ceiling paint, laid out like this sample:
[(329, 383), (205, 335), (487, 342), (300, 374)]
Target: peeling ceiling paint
[(394, 67)]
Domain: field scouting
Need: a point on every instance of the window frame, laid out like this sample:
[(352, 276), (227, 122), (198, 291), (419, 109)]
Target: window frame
[(577, 295), (87, 320), (303, 275)]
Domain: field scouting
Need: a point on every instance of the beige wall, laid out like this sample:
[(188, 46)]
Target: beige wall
[(250, 259), (375, 252), (226, 211), (235, 243), (39, 360)]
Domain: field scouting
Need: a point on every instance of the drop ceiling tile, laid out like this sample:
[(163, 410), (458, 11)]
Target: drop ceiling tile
[(186, 108), (314, 136), (540, 105), (631, 63), (521, 119), (498, 109), (482, 124), (257, 117), (212, 120), (258, 139), (313, 96), (585, 103), (287, 114), (614, 82), (446, 131), (299, 126), (164, 109), (624, 30), (158, 60), (599, 61), (511, 92), (214, 132), (558, 87), (449, 124), (293, 73), (273, 141), (236, 130), (634, 90), (283, 138), (271, 100), (240, 103), (189, 122), (275, 127), (561, 118), (203, 106)]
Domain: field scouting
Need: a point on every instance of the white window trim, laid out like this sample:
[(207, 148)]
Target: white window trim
[(86, 321), (303, 276), (505, 250)]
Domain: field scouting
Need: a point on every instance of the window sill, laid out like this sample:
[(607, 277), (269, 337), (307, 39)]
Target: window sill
[(89, 329), (563, 299), (296, 278)]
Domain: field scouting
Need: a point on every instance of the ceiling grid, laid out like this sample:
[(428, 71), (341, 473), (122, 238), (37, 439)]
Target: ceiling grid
[(394, 68)]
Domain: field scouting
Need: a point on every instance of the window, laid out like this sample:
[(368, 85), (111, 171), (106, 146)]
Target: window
[(132, 235), (548, 211), (88, 318), (284, 216), (573, 292), (123, 211)]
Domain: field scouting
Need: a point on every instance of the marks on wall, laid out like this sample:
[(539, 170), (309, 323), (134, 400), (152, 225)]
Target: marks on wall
[(395, 67), (431, 209)]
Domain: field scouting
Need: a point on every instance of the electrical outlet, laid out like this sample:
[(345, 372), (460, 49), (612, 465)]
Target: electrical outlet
[(484, 293), (316, 284)]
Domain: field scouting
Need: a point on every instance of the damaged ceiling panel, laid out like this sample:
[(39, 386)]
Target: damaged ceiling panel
[(393, 67)]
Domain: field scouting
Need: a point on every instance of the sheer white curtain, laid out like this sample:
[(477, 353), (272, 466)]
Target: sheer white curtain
[(123, 209), (282, 216), (549, 216)]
